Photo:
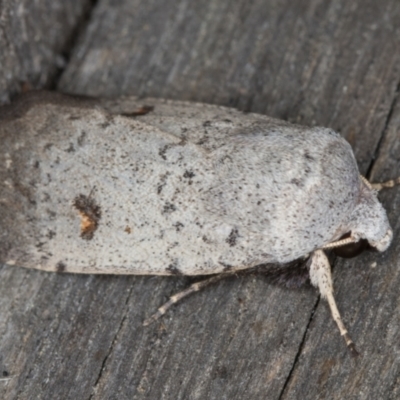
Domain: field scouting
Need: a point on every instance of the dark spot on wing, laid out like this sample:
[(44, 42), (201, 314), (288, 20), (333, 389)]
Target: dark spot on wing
[(81, 138), (178, 226), (71, 148), (61, 267), (227, 267), (169, 208), (162, 183), (52, 214), (205, 239), (189, 174), (173, 269), (50, 234), (308, 156), (232, 238), (296, 181), (162, 152), (90, 214)]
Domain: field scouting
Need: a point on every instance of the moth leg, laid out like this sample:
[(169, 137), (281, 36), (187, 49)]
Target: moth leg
[(195, 287), (381, 185), (387, 184), (321, 277), (366, 181)]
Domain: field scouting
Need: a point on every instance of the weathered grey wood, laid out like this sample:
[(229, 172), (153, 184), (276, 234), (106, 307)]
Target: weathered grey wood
[(337, 64), (35, 38)]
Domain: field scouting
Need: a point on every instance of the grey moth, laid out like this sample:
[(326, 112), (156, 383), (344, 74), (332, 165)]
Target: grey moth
[(158, 187)]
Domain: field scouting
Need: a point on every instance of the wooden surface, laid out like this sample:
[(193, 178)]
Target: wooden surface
[(35, 40), (329, 63)]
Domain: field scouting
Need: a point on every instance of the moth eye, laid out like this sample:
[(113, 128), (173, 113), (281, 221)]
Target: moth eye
[(353, 249)]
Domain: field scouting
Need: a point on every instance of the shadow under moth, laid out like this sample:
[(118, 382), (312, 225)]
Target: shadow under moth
[(115, 187)]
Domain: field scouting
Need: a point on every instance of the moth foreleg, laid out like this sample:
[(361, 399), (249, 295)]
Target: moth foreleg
[(381, 185), (195, 287), (387, 184), (321, 277)]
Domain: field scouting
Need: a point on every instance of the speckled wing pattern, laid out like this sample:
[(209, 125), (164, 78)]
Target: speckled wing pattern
[(185, 189)]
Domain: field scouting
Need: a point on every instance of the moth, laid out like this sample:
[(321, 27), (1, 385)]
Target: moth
[(177, 188)]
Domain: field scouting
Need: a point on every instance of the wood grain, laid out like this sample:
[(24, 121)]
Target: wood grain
[(35, 40)]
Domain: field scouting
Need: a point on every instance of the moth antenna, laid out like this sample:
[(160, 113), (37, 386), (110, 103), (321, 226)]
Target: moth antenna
[(195, 287), (321, 277), (387, 184), (339, 243)]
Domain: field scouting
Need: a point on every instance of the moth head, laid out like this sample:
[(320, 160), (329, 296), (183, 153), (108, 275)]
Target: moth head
[(382, 243), (369, 221)]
